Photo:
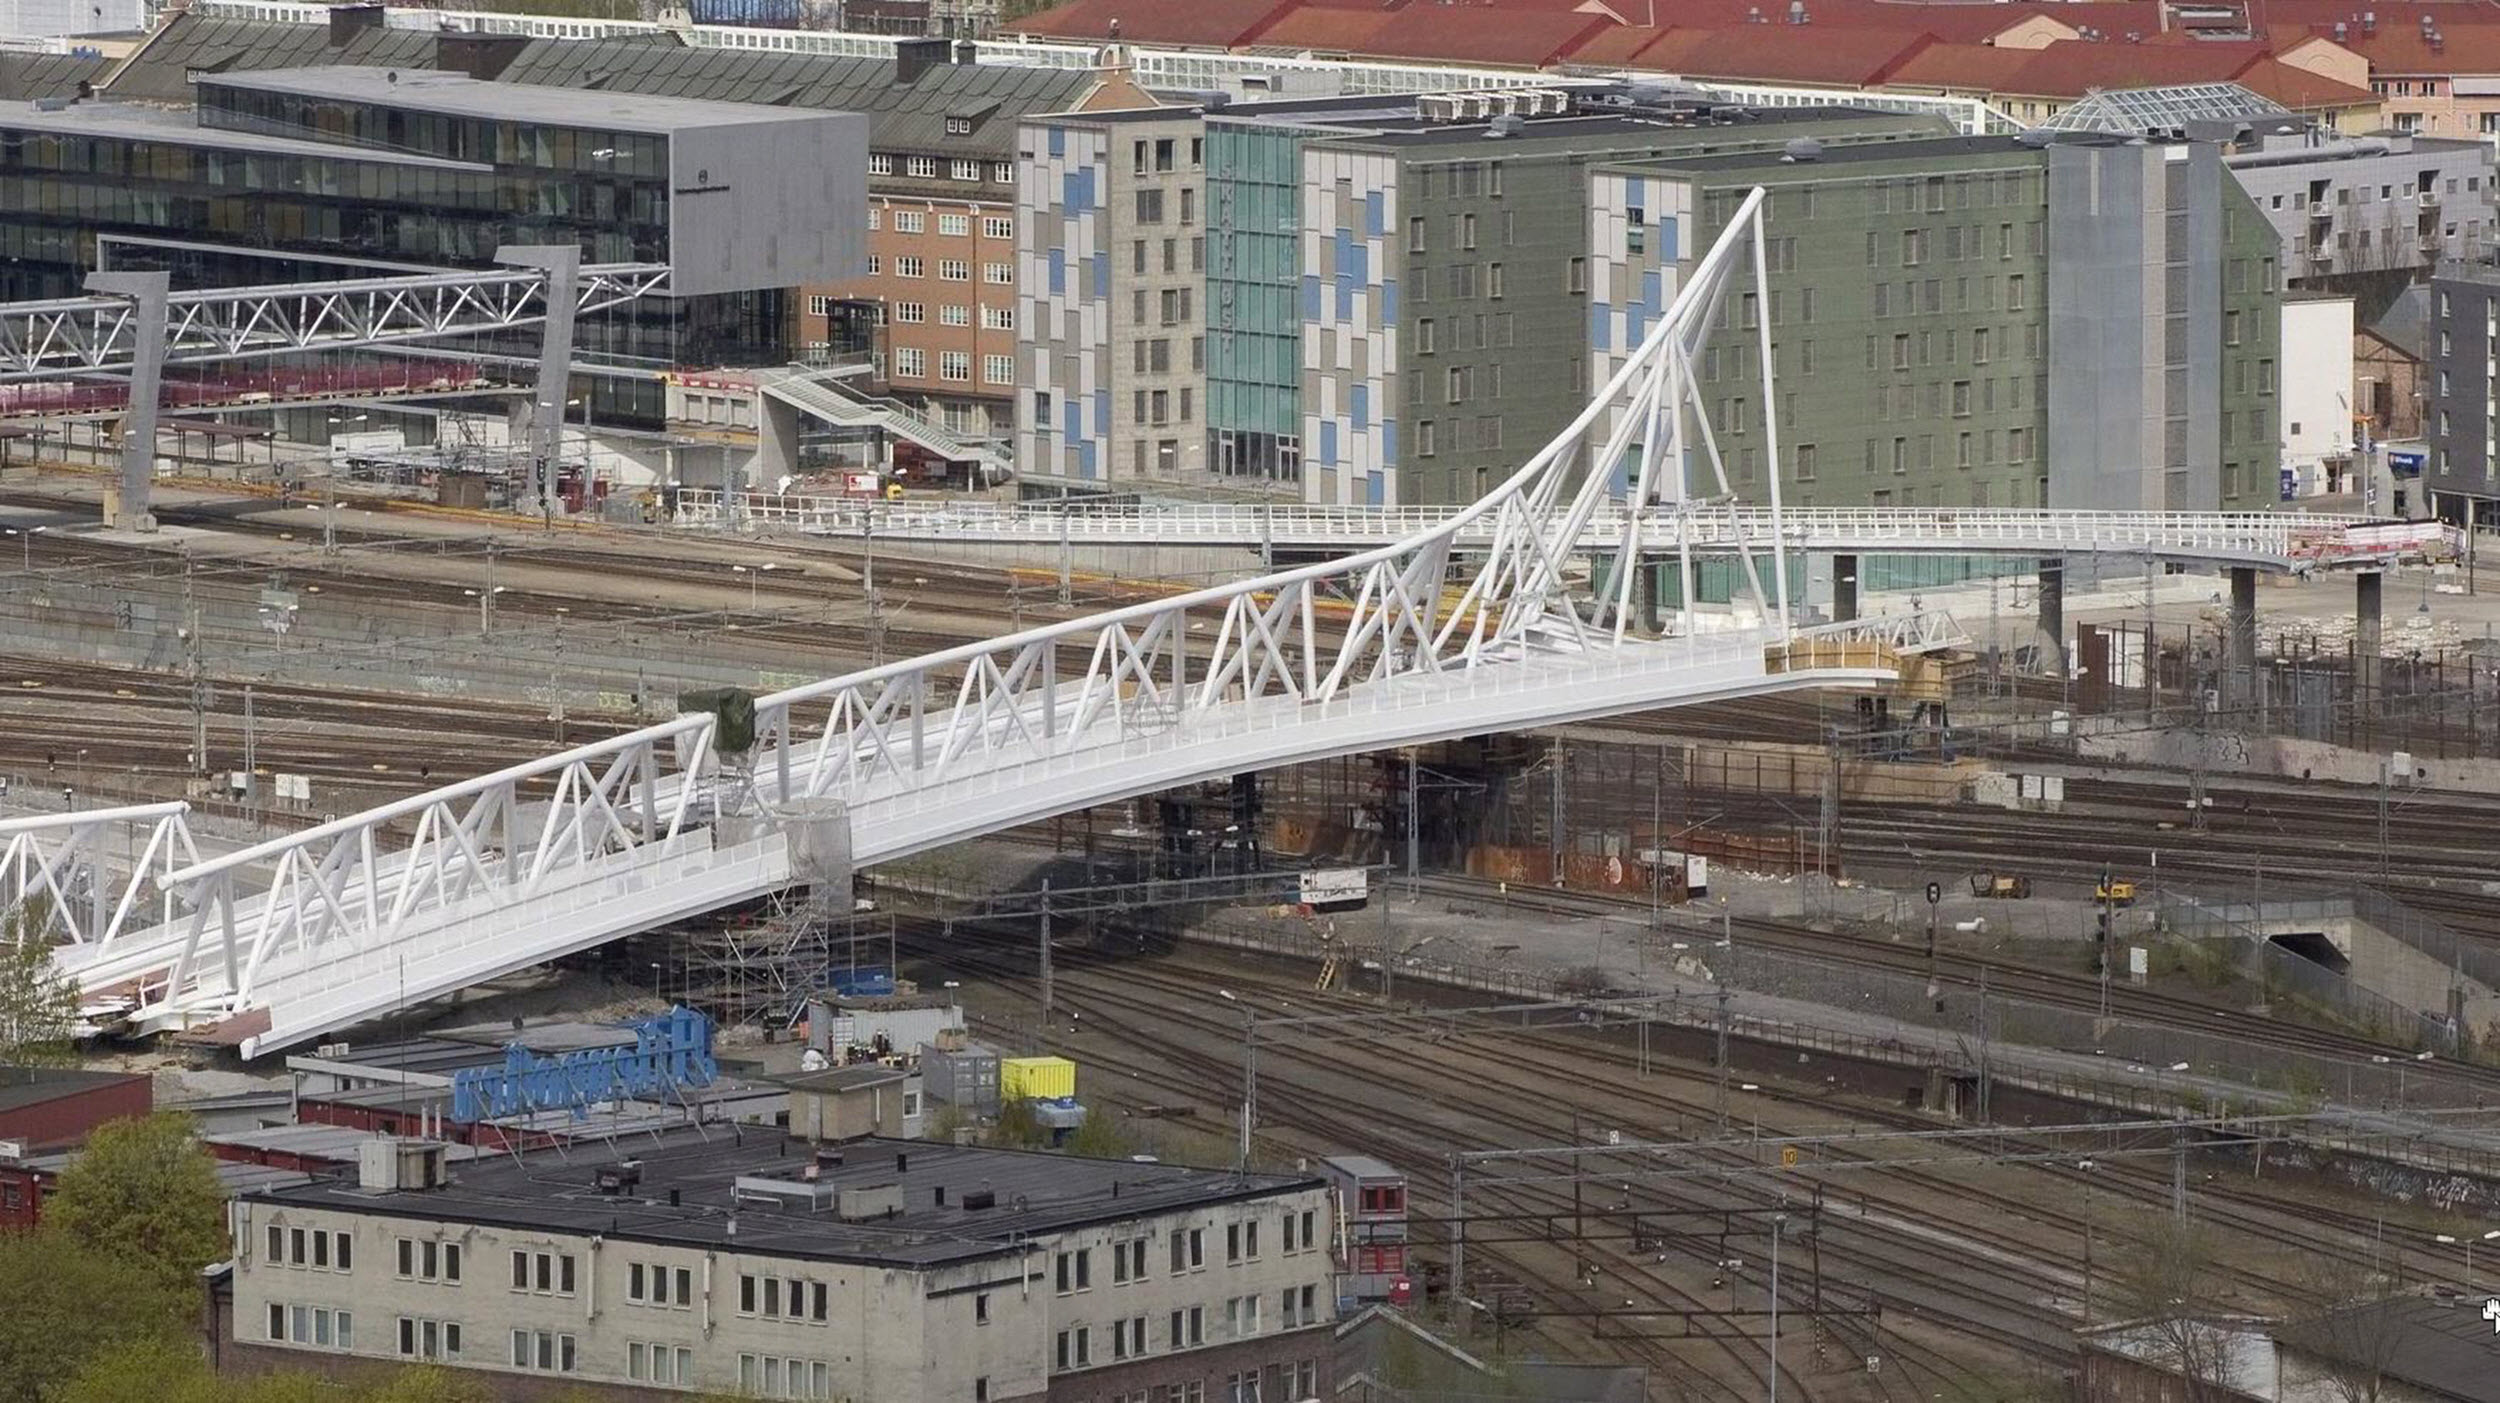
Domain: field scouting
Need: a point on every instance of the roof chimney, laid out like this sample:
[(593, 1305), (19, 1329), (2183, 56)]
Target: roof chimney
[(913, 57), (348, 21)]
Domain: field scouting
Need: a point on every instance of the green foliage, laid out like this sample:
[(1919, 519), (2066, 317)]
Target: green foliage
[(69, 1306), (1017, 1129), (1100, 1137), (38, 1006), (145, 1192), (164, 1369)]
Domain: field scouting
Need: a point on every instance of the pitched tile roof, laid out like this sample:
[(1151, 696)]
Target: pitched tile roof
[(2072, 68), (1967, 67), (2299, 89), (1781, 54)]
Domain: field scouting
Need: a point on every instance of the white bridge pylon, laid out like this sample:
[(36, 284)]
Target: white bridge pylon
[(1397, 645)]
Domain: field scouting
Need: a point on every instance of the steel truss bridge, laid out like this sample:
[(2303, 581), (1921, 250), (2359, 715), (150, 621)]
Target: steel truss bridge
[(95, 335), (1402, 643), (2261, 540)]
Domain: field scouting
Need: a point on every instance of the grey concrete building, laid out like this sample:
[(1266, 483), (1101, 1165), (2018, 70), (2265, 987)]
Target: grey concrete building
[(1935, 330), (2368, 215), (898, 1271), (2164, 314), (2463, 345)]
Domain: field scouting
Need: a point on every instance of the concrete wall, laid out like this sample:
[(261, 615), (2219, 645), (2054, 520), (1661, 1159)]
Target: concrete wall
[(769, 204), (2105, 309), (2314, 413)]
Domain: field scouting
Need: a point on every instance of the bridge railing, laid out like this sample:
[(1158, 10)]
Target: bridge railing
[(2280, 538)]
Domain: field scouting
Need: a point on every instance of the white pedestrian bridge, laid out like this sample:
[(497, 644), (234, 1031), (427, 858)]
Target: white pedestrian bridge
[(1474, 622), (2285, 541)]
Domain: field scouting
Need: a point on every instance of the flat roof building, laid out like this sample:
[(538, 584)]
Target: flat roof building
[(754, 1264), (350, 171)]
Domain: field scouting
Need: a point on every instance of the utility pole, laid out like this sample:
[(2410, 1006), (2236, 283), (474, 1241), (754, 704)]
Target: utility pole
[(1779, 1229), (1249, 1084), (251, 756), (2178, 1178), (195, 668), (1722, 1054), (2088, 1186), (1045, 956), (2108, 914), (1414, 759)]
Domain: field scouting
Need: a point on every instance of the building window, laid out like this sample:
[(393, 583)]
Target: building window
[(316, 1327), (1076, 1269), (1189, 1328), (1189, 1250), (910, 221), (1576, 275), (955, 366), (1076, 1348), (954, 314), (911, 313), (998, 318), (964, 169), (955, 226), (876, 264), (423, 1260), (420, 1338), (543, 1351), (998, 274), (921, 167), (543, 1273), (819, 305), (908, 265), (954, 270), (880, 164)]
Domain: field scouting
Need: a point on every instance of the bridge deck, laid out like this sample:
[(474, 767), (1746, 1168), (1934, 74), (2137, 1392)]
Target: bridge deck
[(2265, 540)]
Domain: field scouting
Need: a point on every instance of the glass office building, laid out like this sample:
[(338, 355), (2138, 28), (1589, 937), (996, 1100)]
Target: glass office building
[(343, 172)]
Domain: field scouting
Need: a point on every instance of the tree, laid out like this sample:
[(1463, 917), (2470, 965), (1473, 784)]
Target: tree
[(1098, 1136), (38, 1004), (164, 1369), (2354, 1336), (2173, 1284), (69, 1307), (145, 1191)]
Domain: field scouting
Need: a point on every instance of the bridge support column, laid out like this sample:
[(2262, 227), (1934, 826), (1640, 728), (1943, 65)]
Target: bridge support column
[(1844, 588), (776, 442), (562, 263), (130, 506), (2367, 587), (2242, 684), (1645, 592), (2053, 610)]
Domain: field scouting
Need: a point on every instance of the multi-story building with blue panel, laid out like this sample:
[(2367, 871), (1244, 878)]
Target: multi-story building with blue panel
[(1379, 300)]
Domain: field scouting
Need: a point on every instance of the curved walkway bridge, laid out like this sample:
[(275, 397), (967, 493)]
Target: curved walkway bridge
[(1472, 623)]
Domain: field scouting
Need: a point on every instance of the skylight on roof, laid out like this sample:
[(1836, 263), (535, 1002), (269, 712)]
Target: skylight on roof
[(2133, 111)]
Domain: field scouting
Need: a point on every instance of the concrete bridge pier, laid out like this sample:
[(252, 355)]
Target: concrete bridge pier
[(2367, 588), (2053, 609), (2241, 686)]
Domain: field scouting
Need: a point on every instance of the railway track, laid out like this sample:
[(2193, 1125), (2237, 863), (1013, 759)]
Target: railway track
[(1454, 1105)]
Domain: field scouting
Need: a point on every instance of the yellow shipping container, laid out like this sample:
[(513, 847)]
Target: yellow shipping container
[(1035, 1078)]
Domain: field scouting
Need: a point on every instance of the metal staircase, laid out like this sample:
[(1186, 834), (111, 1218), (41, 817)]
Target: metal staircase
[(819, 392)]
